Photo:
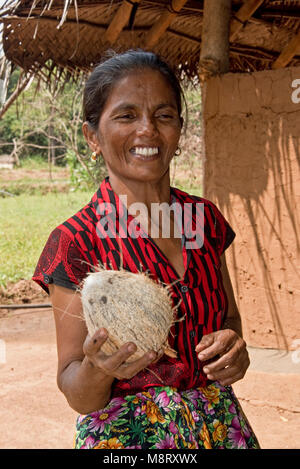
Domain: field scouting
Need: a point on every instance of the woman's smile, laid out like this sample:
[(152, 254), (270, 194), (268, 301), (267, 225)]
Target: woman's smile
[(145, 153)]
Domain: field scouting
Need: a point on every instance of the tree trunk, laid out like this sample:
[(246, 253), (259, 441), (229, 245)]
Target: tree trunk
[(5, 69), (51, 143), (22, 83)]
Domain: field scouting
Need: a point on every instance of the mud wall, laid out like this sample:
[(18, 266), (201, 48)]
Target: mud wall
[(252, 156)]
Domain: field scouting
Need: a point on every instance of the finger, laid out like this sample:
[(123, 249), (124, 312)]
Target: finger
[(128, 370), (219, 347), (120, 357), (232, 357), (230, 374), (115, 360), (205, 342), (93, 344), (222, 341), (233, 378)]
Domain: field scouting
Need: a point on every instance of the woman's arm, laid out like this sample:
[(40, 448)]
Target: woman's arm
[(225, 348), (85, 374)]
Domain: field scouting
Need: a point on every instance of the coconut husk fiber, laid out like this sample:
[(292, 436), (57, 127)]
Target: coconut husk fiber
[(132, 307)]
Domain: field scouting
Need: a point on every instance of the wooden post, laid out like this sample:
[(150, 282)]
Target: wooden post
[(119, 21), (243, 15), (214, 55), (288, 53), (163, 22)]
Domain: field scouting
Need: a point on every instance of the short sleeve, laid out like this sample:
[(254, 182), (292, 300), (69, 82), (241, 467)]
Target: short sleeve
[(223, 232), (61, 263)]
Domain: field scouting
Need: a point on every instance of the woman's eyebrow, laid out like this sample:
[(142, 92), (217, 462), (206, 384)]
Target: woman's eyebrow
[(131, 106), (123, 107), (162, 105)]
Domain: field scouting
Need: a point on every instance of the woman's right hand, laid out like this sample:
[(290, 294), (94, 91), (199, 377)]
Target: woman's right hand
[(115, 365)]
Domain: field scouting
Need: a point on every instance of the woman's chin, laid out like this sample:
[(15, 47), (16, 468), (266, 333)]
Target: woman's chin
[(146, 158)]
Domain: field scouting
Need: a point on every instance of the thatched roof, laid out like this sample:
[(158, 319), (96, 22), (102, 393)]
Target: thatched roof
[(57, 36)]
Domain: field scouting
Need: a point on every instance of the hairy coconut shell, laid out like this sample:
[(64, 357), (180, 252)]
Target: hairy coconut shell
[(132, 307)]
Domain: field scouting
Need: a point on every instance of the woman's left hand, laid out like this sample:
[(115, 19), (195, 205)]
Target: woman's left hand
[(228, 354)]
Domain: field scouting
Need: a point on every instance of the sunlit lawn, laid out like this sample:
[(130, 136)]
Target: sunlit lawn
[(25, 224)]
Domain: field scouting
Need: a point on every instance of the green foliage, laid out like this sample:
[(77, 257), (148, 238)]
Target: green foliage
[(35, 162), (82, 178), (39, 117), (22, 121), (39, 120), (13, 81)]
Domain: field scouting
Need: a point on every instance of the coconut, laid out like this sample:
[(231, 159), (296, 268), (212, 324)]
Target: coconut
[(132, 307)]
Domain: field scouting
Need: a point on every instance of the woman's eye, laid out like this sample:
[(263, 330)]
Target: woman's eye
[(165, 116), (125, 116)]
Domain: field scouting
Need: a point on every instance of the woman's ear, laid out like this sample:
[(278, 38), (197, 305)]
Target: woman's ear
[(91, 137)]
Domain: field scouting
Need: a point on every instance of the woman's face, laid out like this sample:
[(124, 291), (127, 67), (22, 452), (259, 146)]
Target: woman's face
[(139, 128)]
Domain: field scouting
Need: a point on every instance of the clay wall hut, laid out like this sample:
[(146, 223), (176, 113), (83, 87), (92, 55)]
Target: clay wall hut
[(246, 54)]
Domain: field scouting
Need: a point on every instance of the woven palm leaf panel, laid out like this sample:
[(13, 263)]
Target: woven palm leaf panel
[(61, 36)]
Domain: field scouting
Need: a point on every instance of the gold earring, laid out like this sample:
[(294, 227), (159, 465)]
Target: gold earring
[(94, 157)]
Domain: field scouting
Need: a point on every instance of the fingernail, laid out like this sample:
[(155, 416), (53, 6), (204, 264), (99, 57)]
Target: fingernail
[(206, 370), (201, 356), (131, 348)]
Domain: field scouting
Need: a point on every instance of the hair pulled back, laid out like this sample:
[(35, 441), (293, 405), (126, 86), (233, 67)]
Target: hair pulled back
[(105, 76)]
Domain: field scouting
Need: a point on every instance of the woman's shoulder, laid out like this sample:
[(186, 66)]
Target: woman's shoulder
[(186, 197)]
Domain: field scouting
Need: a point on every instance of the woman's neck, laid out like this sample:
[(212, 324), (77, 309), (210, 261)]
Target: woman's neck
[(146, 201), (142, 192)]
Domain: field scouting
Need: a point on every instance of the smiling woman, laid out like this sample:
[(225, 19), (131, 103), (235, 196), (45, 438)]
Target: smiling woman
[(139, 129), (133, 118)]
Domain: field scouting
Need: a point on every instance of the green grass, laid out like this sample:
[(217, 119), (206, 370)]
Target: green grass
[(29, 180), (25, 224), (37, 162), (29, 186)]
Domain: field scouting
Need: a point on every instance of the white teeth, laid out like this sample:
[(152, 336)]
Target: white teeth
[(146, 151)]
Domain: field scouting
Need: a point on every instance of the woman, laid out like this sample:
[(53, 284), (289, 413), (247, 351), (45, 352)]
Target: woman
[(133, 118)]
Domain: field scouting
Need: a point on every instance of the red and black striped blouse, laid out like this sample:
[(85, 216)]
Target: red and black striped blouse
[(84, 241)]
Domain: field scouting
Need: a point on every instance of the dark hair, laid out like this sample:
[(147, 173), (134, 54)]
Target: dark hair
[(110, 70)]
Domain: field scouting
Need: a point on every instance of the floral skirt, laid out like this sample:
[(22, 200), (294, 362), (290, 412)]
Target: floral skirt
[(165, 418)]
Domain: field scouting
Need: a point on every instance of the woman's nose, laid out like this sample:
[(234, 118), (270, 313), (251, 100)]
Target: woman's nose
[(146, 126)]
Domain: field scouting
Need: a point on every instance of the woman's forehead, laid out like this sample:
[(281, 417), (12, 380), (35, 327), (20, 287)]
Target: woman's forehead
[(139, 84)]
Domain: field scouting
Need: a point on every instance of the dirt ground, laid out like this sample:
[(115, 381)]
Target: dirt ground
[(21, 292), (36, 415)]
